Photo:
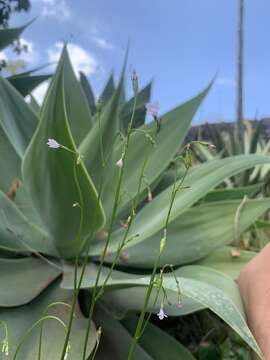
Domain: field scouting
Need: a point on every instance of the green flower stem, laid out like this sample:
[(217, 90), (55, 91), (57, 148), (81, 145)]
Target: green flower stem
[(112, 220), (140, 326), (142, 314), (28, 332), (123, 242), (78, 241), (41, 328)]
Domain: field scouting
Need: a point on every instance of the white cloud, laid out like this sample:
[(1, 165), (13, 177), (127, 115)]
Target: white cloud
[(40, 91), (80, 58), (31, 55), (103, 44), (226, 81), (55, 8)]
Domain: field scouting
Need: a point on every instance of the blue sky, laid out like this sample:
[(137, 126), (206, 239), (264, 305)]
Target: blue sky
[(179, 44)]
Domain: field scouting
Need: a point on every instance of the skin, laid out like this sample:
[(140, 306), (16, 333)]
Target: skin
[(254, 285)]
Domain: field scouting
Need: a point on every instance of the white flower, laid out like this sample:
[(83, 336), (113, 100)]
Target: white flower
[(153, 108), (120, 163), (161, 315), (53, 144)]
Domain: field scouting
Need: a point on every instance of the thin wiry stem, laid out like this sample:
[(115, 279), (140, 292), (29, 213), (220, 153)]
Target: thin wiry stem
[(78, 242), (140, 324), (28, 332), (112, 221)]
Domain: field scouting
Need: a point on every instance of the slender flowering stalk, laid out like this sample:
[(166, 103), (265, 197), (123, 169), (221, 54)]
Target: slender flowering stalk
[(78, 241), (126, 226), (29, 331), (57, 303), (176, 188), (114, 213)]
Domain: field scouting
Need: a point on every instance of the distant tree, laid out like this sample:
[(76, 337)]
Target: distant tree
[(8, 7)]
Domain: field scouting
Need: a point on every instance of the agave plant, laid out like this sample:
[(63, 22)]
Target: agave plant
[(53, 213), (252, 142), (26, 81)]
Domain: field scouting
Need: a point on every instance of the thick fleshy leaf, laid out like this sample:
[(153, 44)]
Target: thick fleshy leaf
[(115, 338), (139, 117), (157, 343), (10, 162), (51, 182), (204, 286), (7, 36), (16, 117), (22, 280), (203, 153), (77, 109), (132, 298), (24, 204), (108, 91), (27, 83), (34, 104), (88, 93), (166, 179), (261, 224), (20, 319), (195, 234), (200, 181), (18, 234), (103, 134), (128, 297), (174, 126), (228, 260), (235, 193)]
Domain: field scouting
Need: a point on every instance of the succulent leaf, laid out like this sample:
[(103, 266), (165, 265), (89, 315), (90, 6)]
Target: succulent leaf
[(16, 117), (234, 193), (103, 134), (24, 84), (139, 117), (18, 234), (24, 279), (77, 109), (10, 161), (20, 319), (204, 286), (88, 93), (52, 185), (108, 91), (7, 36), (223, 260), (157, 343), (200, 180), (194, 234), (174, 126), (115, 338)]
